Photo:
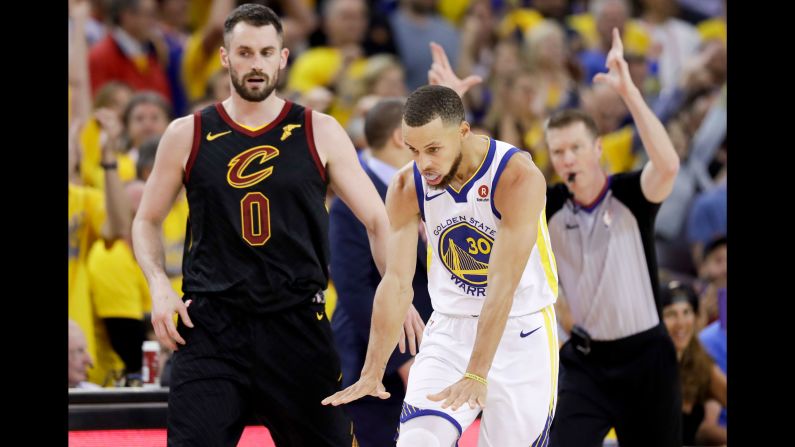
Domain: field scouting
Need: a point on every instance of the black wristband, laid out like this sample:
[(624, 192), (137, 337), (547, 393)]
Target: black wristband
[(107, 166)]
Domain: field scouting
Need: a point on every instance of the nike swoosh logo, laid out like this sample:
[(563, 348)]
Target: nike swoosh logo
[(523, 335), (427, 197), (571, 227), (211, 137), (319, 315)]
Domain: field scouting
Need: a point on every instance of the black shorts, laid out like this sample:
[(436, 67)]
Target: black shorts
[(631, 384), (237, 367)]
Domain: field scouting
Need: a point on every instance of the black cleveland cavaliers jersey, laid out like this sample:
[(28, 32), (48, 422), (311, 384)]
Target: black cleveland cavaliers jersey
[(258, 228)]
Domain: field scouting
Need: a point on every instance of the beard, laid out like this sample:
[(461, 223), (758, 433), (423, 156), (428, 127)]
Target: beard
[(449, 176), (253, 95)]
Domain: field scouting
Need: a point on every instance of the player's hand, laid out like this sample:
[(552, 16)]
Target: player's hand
[(442, 74), (164, 303), (365, 386), (465, 391), (412, 330), (618, 76), (111, 127)]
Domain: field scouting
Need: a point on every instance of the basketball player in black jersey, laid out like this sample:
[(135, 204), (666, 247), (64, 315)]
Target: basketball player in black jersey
[(255, 341)]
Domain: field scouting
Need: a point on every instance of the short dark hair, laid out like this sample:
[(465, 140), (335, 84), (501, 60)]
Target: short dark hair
[(382, 120), (567, 117), (675, 291), (431, 101), (253, 14)]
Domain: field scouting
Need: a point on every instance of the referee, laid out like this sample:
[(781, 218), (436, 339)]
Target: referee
[(619, 367)]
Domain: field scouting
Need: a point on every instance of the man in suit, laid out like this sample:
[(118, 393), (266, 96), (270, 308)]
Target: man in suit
[(356, 278)]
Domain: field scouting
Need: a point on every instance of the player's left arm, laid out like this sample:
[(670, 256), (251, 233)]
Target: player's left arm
[(657, 178), (519, 196), (349, 181)]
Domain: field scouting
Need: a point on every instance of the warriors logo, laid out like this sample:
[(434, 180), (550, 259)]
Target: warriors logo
[(465, 252)]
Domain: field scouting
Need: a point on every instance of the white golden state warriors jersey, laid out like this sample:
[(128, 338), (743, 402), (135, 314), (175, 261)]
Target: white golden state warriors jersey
[(462, 226)]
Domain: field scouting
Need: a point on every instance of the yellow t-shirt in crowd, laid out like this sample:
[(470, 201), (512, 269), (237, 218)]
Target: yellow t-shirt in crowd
[(118, 290), (519, 19), (174, 227), (86, 217), (453, 10), (316, 68), (197, 67), (617, 150), (712, 29)]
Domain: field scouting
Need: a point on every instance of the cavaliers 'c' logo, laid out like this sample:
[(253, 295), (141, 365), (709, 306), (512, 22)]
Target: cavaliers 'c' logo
[(237, 175)]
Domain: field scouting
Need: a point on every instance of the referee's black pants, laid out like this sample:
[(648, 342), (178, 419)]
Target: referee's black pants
[(631, 384)]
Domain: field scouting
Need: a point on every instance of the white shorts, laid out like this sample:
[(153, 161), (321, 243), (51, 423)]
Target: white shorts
[(522, 381)]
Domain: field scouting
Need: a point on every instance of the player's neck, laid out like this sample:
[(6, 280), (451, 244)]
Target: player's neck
[(253, 114), (474, 151)]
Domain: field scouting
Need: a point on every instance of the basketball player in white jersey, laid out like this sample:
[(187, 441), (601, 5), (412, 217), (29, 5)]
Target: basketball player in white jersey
[(490, 344)]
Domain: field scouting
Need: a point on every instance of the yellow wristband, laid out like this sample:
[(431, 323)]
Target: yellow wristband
[(475, 377)]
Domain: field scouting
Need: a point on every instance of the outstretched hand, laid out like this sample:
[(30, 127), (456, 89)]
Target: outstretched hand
[(365, 386), (618, 76), (441, 73)]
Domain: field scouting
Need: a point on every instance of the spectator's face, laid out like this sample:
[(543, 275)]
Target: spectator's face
[(638, 69), (254, 57), (390, 83), (485, 15), (606, 108), (680, 319), (714, 267), (147, 120), (506, 58), (79, 359), (436, 149), (347, 22), (141, 21), (524, 98), (613, 15), (573, 150), (552, 50)]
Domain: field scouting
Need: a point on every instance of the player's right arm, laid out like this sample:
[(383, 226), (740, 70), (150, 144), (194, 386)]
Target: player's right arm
[(394, 293), (161, 189)]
